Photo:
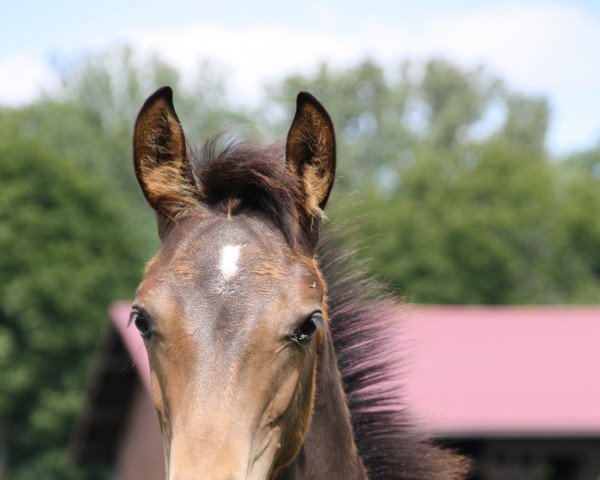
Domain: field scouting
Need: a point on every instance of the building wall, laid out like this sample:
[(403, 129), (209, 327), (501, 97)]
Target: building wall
[(140, 453)]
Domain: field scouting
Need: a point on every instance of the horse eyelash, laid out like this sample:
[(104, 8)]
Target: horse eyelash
[(136, 310)]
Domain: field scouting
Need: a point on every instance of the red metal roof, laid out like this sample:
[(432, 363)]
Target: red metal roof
[(507, 370), (481, 371)]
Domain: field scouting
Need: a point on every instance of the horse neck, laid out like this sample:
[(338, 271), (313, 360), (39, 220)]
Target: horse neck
[(329, 450)]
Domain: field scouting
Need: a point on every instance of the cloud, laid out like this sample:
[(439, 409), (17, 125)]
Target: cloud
[(541, 48), (22, 78), (253, 54), (544, 48)]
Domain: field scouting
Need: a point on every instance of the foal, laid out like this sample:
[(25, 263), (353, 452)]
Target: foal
[(240, 332)]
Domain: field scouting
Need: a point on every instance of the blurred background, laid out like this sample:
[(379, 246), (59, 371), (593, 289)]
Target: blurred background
[(469, 160)]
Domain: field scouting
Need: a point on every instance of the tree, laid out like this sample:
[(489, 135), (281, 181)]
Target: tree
[(67, 253), (69, 246), (580, 174), (461, 201), (97, 104), (526, 123), (383, 115), (485, 225), (368, 111)]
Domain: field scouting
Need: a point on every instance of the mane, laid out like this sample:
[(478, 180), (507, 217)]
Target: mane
[(363, 318), (232, 176)]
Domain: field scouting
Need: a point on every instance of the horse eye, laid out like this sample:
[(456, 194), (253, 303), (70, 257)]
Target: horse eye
[(306, 331), (141, 323)]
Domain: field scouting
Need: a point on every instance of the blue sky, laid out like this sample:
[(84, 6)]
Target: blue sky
[(540, 47)]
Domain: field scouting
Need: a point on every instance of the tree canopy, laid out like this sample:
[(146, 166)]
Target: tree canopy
[(65, 257), (444, 176), (456, 195)]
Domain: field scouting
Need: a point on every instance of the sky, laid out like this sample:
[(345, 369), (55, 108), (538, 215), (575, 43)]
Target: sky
[(539, 47)]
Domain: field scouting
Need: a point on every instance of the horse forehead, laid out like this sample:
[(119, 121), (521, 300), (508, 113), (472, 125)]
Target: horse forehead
[(234, 269), (226, 248)]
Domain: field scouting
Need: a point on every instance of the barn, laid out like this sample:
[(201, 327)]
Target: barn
[(516, 388)]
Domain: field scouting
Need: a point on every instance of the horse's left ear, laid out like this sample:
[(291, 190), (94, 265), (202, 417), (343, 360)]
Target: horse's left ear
[(310, 152)]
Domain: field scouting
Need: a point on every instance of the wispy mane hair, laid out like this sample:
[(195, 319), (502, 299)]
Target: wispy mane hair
[(366, 329), (232, 175)]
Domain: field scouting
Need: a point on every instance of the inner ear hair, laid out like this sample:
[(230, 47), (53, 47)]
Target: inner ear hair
[(310, 151), (160, 156)]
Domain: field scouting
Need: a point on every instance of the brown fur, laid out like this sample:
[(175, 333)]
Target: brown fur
[(239, 177), (310, 150), (269, 270), (345, 423), (161, 155)]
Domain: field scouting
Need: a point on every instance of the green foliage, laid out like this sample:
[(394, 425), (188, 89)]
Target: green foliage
[(52, 464), (90, 120), (482, 225), (65, 257), (381, 116), (581, 174), (526, 123), (368, 113), (109, 88), (74, 231), (453, 100), (461, 203), (446, 170)]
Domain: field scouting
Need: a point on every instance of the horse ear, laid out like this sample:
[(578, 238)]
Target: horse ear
[(310, 152), (160, 158)]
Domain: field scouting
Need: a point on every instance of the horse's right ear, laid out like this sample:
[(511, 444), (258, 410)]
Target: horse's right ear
[(160, 158), (310, 156)]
